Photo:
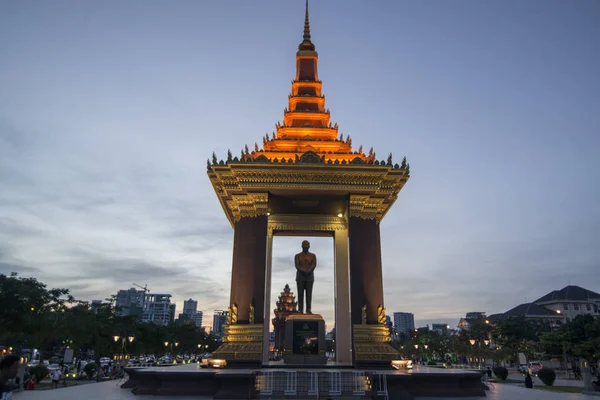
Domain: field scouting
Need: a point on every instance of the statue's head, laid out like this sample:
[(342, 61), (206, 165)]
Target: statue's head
[(305, 245)]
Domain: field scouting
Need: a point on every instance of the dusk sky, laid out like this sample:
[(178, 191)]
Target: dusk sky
[(109, 110)]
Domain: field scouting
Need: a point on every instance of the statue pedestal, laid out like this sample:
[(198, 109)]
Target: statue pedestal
[(305, 340)]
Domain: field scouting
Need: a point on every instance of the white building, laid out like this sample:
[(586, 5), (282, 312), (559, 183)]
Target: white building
[(157, 309), (571, 301)]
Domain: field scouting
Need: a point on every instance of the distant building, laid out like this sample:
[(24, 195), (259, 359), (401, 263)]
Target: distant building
[(557, 306), (158, 309), (571, 301), (440, 328), (95, 305), (172, 309), (198, 318), (130, 302), (190, 307), (404, 322), (219, 321)]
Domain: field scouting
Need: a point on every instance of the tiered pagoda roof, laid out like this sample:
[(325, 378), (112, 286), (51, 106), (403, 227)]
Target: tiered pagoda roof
[(306, 152), (286, 304)]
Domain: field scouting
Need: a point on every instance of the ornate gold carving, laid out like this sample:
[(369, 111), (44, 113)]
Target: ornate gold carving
[(364, 315), (367, 207), (251, 313), (372, 343), (288, 222), (248, 205), (381, 315), (232, 315), (242, 188), (241, 342)]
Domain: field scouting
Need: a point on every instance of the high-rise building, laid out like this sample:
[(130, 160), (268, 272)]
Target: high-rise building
[(190, 307), (197, 318), (404, 322), (130, 302), (158, 309), (219, 321), (172, 308)]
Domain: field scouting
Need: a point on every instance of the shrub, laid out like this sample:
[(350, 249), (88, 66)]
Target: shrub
[(39, 371), (547, 375), (501, 372), (90, 368)]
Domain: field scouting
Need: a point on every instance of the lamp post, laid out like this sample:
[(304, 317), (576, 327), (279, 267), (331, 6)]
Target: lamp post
[(123, 340), (473, 341), (167, 343)]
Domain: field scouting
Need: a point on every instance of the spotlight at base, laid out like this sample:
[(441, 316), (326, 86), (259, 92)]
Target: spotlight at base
[(340, 215)]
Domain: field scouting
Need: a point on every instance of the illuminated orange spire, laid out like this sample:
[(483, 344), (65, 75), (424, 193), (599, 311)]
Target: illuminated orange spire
[(306, 122)]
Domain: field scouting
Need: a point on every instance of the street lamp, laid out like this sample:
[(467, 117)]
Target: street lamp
[(123, 340), (473, 341)]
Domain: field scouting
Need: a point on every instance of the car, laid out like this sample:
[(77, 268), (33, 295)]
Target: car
[(522, 368), (534, 367)]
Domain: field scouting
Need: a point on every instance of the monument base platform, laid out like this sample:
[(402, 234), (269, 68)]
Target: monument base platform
[(191, 380), (305, 340)]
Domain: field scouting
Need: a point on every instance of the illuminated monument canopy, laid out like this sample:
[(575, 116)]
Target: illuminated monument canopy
[(307, 180), (306, 158)]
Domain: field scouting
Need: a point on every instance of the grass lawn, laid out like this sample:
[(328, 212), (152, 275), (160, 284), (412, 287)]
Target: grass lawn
[(562, 389)]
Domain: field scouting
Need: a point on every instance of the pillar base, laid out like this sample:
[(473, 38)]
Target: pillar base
[(372, 346), (242, 345)]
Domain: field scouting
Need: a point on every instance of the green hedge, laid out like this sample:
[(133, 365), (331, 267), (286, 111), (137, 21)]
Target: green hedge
[(501, 372), (90, 368), (547, 375), (39, 371)]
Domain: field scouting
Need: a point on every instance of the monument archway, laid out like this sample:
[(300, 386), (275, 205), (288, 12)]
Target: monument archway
[(316, 225), (306, 178)]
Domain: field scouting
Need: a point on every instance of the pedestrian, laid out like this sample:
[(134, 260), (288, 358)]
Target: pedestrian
[(9, 368), (528, 381), (489, 373), (55, 375)]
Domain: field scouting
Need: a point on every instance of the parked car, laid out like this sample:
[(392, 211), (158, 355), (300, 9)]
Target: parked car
[(522, 368), (534, 367)]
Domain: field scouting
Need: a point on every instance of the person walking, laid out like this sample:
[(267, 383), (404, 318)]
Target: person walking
[(55, 375), (528, 381), (9, 368)]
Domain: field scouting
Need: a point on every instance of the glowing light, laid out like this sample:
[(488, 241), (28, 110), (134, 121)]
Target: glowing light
[(131, 338), (116, 338), (472, 341), (340, 215)]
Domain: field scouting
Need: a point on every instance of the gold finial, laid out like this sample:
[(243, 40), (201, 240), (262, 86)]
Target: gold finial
[(251, 314), (364, 314), (306, 43)]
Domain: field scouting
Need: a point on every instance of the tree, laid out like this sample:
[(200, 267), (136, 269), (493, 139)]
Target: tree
[(31, 312)]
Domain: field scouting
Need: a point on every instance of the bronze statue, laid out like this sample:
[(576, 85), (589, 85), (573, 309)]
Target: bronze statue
[(306, 262)]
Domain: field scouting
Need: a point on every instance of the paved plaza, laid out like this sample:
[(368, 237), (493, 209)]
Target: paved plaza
[(111, 390)]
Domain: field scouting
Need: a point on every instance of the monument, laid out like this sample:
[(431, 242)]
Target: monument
[(305, 262), (286, 306), (307, 179)]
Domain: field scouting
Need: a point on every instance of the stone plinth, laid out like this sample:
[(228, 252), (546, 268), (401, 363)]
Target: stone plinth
[(305, 340)]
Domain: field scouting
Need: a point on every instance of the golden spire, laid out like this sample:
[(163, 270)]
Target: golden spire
[(306, 43)]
